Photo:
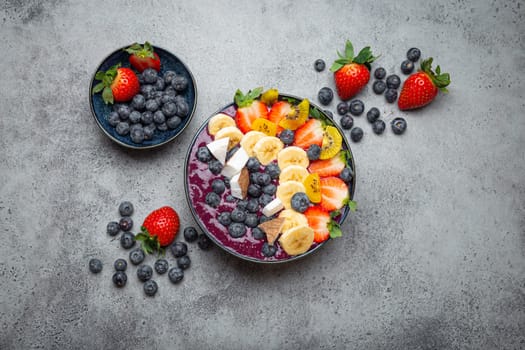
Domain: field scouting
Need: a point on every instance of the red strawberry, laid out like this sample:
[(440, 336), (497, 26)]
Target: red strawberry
[(334, 193), (279, 111), (329, 167), (249, 109), (142, 57), (117, 84), (318, 220), (421, 87), (159, 229), (351, 74), (310, 133)]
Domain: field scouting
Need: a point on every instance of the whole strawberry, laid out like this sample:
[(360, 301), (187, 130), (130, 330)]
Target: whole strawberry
[(117, 84), (159, 229), (143, 56), (422, 87), (351, 74)]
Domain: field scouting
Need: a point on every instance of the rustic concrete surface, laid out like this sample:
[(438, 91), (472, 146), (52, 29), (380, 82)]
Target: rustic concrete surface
[(433, 259)]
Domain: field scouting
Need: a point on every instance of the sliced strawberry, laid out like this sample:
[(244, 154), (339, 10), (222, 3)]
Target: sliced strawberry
[(309, 134), (334, 193), (249, 109), (319, 220), (279, 111), (328, 167)]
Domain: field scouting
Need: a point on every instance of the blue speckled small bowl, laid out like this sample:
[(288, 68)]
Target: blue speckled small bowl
[(100, 110)]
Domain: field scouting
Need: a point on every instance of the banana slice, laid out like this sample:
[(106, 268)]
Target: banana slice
[(292, 155), (250, 139), (297, 240), (292, 219), (293, 173), (286, 190), (267, 149), (233, 133), (218, 122)]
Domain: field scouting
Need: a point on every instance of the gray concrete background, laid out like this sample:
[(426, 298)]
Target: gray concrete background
[(433, 259)]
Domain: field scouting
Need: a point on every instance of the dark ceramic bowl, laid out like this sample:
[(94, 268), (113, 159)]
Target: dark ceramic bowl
[(101, 111), (197, 184)]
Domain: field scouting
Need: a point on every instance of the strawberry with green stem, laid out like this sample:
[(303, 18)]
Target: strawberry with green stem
[(117, 84), (249, 108), (159, 229), (143, 57)]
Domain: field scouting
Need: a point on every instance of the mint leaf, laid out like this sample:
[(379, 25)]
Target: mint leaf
[(352, 205), (335, 229), (315, 113)]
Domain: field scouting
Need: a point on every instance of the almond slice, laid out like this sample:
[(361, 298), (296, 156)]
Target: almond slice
[(272, 229)]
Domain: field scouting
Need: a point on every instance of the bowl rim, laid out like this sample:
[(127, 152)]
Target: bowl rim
[(93, 113), (211, 237)]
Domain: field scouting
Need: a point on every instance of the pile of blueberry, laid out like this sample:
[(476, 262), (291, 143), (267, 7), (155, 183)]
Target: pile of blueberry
[(160, 105), (137, 256), (244, 218)]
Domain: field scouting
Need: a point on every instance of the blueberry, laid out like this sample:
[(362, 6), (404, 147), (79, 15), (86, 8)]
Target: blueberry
[(254, 190), (126, 223), (146, 118), (273, 170), (391, 95), (169, 109), (287, 136), (168, 76), (356, 134), (328, 113), (252, 206), (150, 75), (179, 249), (342, 108), (159, 117), (319, 65), (325, 96), (112, 228), (144, 272), (167, 98), (190, 234), (162, 127), (123, 111), (152, 105), (95, 265), (120, 265), (224, 218), (238, 215), (399, 125), (346, 174), (237, 230), (378, 127), (179, 83), (269, 189), (179, 98), (251, 220), (127, 240), (218, 186), (407, 67), (242, 204), (229, 198), (122, 128), (149, 131), (125, 208), (300, 202), (140, 78), (380, 73), (268, 250), (257, 233), (264, 199), (393, 81), (215, 166), (134, 117), (373, 114), (213, 199), (147, 91), (204, 154), (265, 218), (113, 119), (183, 262), (170, 91), (379, 87), (347, 122), (357, 107), (160, 84), (150, 288), (138, 102), (204, 242), (263, 179), (313, 152), (253, 164), (253, 178), (413, 54), (183, 108), (120, 278), (161, 266), (175, 275), (136, 256), (137, 134)]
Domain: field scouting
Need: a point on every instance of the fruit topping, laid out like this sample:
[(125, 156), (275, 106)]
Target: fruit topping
[(286, 190), (329, 167), (218, 122), (297, 115), (272, 229), (267, 149), (300, 202), (265, 126), (332, 142), (310, 133), (233, 134), (249, 109), (292, 155), (334, 193), (293, 173), (297, 240), (270, 96), (312, 185)]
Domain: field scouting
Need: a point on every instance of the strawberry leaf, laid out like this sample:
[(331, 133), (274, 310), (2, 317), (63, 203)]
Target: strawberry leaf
[(98, 88), (314, 113), (107, 95), (364, 56), (336, 66), (352, 205), (100, 75), (334, 229), (349, 50)]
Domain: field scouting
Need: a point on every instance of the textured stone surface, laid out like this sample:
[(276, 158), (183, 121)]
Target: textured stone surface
[(433, 259)]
